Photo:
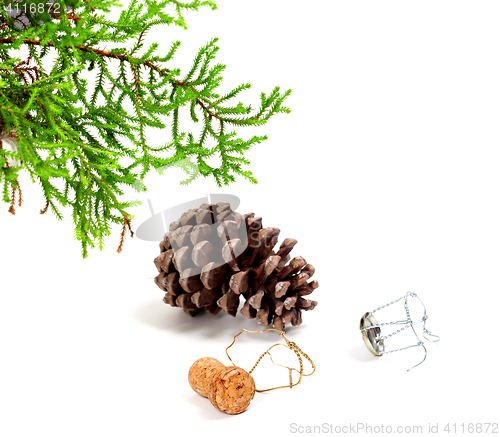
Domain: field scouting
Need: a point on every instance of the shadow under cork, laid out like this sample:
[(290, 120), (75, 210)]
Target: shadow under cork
[(208, 412)]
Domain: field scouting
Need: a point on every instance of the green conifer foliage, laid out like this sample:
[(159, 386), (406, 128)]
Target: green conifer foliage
[(84, 140)]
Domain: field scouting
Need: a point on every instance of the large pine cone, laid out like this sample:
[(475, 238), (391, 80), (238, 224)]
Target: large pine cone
[(212, 255)]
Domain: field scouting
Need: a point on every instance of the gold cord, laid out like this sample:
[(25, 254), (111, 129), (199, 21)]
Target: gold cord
[(289, 345)]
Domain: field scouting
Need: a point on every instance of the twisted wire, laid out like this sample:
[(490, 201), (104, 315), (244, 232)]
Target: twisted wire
[(289, 345), (408, 323)]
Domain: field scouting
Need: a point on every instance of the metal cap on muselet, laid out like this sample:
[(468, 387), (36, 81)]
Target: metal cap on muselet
[(374, 344), (371, 329)]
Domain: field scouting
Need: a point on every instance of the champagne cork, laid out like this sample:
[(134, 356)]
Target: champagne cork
[(229, 389), (201, 373)]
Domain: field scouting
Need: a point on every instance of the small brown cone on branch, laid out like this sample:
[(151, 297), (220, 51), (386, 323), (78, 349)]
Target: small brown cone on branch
[(212, 256)]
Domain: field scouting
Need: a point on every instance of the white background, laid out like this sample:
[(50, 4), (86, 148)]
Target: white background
[(386, 171)]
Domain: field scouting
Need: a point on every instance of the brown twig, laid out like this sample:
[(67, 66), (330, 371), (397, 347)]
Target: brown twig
[(21, 200), (126, 225), (24, 69), (91, 8), (104, 53), (129, 226), (212, 114), (71, 15), (44, 210), (136, 81), (15, 189), (12, 209)]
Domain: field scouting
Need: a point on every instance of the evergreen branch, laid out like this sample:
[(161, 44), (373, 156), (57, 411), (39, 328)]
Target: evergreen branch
[(69, 124), (86, 49)]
